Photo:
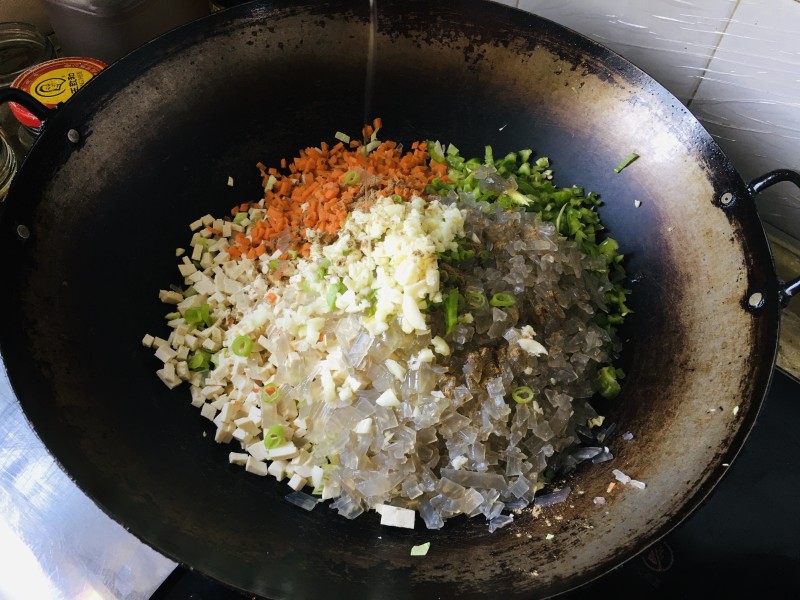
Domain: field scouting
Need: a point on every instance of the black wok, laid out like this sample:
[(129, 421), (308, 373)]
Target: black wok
[(90, 226)]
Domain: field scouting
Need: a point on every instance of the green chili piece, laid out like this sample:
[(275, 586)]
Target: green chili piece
[(242, 346)]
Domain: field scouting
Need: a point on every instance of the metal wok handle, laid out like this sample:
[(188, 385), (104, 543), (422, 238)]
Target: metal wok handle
[(39, 110), (758, 185)]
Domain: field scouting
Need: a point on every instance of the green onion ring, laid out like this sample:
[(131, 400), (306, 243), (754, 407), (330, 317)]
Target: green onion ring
[(352, 177), (502, 299), (242, 346), (522, 395), (273, 437)]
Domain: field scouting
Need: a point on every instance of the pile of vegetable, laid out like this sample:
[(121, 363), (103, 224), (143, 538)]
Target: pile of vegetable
[(409, 332)]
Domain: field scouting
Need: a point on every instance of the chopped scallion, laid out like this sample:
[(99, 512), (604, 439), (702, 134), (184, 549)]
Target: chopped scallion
[(205, 315), (607, 380), (192, 316), (269, 393), (333, 291), (475, 299), (242, 345), (273, 437), (522, 395), (199, 361), (502, 299), (626, 161), (451, 310), (352, 177), (420, 550)]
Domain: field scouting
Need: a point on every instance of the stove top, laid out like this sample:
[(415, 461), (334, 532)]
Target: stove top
[(744, 541)]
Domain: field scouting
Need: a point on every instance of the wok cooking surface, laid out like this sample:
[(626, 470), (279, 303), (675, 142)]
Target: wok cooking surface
[(742, 542), (62, 373)]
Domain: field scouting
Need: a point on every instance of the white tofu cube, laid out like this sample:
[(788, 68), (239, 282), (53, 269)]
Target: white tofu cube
[(258, 451), (284, 452), (297, 483), (256, 467), (394, 516), (277, 469), (208, 411), (237, 458)]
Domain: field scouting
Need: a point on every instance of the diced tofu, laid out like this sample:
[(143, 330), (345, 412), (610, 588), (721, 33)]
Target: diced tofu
[(224, 433), (394, 516), (208, 411), (169, 297), (255, 466), (297, 483), (165, 354), (283, 452), (258, 451), (277, 469), (237, 458), (147, 341)]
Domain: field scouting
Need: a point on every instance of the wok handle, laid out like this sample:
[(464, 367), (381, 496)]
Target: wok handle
[(758, 185), (39, 110)]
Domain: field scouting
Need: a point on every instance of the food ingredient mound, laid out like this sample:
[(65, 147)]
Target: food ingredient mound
[(437, 354)]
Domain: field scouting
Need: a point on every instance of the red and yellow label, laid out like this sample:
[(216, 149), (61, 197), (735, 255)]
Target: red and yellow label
[(54, 82)]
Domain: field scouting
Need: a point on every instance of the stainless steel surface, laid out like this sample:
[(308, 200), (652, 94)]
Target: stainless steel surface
[(55, 542)]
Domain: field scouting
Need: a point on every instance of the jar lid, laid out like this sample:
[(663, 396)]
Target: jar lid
[(52, 83)]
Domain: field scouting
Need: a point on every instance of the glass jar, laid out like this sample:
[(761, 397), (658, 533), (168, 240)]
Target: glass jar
[(8, 166), (22, 46)]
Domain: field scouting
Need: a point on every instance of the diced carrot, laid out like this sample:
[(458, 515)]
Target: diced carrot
[(312, 195)]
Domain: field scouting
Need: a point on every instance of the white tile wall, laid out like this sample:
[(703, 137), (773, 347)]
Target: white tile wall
[(734, 63)]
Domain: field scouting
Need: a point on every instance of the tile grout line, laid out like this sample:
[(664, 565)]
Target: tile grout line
[(713, 53)]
